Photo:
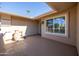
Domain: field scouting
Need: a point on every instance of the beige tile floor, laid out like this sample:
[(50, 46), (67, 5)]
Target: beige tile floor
[(37, 46)]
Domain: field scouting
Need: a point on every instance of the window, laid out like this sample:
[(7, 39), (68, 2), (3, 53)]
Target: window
[(56, 25)]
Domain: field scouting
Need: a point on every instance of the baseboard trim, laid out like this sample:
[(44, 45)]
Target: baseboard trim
[(32, 35)]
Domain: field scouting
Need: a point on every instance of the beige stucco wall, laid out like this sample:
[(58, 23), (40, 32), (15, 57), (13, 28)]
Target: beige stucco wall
[(32, 26), (14, 22), (78, 28), (71, 36)]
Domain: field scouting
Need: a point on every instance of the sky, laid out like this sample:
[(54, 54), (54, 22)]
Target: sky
[(29, 9)]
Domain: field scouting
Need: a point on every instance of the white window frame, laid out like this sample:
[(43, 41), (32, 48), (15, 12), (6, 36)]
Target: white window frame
[(66, 24)]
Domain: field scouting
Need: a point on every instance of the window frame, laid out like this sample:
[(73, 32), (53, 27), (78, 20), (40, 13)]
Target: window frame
[(66, 25)]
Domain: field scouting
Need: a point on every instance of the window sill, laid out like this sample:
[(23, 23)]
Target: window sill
[(56, 34)]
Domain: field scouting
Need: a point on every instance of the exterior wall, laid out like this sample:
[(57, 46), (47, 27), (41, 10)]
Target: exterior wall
[(39, 26), (71, 37), (32, 26), (78, 28)]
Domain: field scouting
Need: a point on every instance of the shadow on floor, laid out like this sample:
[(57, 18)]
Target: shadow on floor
[(38, 46)]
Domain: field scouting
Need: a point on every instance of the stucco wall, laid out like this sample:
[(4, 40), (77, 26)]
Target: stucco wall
[(32, 26), (78, 28), (71, 37)]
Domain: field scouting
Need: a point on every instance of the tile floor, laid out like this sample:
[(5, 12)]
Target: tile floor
[(37, 46)]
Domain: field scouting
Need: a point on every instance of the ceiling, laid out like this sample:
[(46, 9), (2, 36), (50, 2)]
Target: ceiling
[(61, 5)]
